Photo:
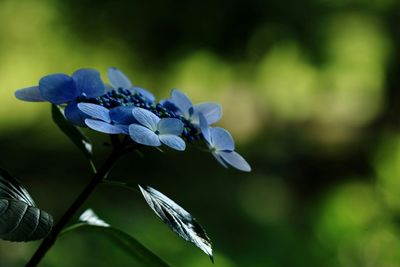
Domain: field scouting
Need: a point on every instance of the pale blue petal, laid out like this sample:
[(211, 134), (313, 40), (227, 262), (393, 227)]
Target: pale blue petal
[(95, 111), (143, 135), (182, 102), (146, 94), (74, 115), (88, 82), (31, 94), (58, 88), (118, 79), (235, 160), (219, 159), (173, 141), (170, 126), (221, 139), (205, 129), (103, 127), (122, 115), (146, 118), (211, 111)]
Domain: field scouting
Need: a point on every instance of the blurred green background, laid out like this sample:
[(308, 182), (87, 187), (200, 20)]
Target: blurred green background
[(310, 94)]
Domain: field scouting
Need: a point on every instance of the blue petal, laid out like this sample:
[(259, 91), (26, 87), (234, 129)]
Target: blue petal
[(221, 139), (58, 88), (219, 159), (31, 94), (182, 102), (143, 135), (74, 115), (122, 115), (170, 126), (95, 111), (211, 111), (103, 127), (173, 141), (235, 160), (118, 79), (146, 118), (88, 82), (205, 129), (146, 94)]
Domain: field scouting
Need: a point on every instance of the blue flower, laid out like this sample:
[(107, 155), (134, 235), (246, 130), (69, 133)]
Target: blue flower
[(114, 121), (153, 131), (62, 89), (211, 111), (119, 80), (222, 146)]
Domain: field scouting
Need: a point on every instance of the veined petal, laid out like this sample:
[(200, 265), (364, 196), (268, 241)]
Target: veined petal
[(146, 118), (221, 139), (118, 79), (74, 115), (211, 111), (173, 141), (122, 115), (182, 102), (58, 88), (235, 160), (146, 94), (170, 126), (31, 94), (95, 111), (143, 135), (88, 82), (103, 127)]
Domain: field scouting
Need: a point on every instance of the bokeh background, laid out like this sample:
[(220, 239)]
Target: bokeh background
[(309, 91)]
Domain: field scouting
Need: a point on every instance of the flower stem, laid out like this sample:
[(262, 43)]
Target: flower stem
[(49, 241)]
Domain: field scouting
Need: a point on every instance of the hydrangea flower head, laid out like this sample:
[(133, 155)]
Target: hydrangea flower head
[(122, 108)]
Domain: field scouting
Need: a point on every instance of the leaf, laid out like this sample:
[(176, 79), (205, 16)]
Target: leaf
[(134, 248), (73, 133), (20, 219), (178, 219)]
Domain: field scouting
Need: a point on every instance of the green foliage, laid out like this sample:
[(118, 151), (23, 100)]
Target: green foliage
[(20, 219)]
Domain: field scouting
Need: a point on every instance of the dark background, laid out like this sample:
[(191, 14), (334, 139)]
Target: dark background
[(309, 91)]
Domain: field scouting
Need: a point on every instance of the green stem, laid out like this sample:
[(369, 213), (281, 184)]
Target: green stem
[(49, 241)]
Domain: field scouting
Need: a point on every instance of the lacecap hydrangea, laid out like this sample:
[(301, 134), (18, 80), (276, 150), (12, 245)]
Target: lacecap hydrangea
[(125, 109)]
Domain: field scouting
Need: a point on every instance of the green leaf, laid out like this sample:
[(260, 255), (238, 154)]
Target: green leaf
[(178, 219), (20, 219), (73, 133), (129, 244)]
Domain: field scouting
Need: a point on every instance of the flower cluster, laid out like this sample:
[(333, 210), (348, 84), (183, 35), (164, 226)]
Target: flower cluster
[(122, 108)]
